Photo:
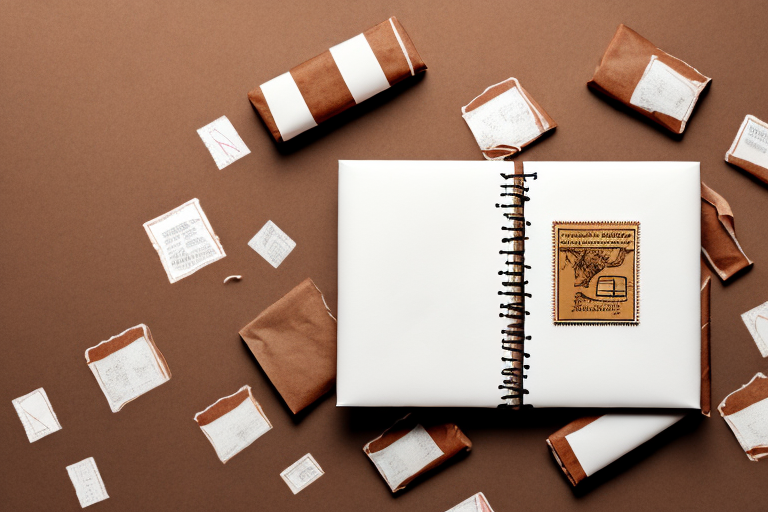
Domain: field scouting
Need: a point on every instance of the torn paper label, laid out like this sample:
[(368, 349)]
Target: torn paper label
[(184, 240), (476, 503), (272, 244), (223, 142), (36, 414), (406, 456), (746, 412), (127, 365), (302, 473), (664, 90), (232, 423), (87, 481), (756, 320), (504, 122), (751, 143)]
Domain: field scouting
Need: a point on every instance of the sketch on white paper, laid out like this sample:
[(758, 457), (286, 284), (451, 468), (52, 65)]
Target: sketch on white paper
[(756, 320), (184, 240), (302, 473), (664, 90), (36, 415), (86, 478), (751, 142), (405, 457), (223, 142), (127, 365), (232, 423), (272, 244)]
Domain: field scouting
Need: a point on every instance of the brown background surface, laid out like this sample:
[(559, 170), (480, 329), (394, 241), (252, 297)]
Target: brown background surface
[(100, 106)]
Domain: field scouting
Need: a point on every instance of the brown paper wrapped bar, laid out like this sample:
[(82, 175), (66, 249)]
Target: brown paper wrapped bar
[(746, 412), (505, 119), (718, 235), (706, 372), (407, 450), (750, 148), (294, 341), (563, 453), (636, 73), (336, 80)]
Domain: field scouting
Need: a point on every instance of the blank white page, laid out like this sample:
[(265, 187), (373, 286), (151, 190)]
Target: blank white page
[(418, 314), (656, 363)]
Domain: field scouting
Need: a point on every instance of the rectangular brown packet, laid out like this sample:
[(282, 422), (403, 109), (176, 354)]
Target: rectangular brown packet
[(718, 235), (648, 80), (407, 450), (294, 341), (336, 80)]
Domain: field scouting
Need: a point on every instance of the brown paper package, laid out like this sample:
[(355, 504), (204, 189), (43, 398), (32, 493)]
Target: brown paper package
[(322, 86), (294, 341), (749, 394), (103, 350), (622, 66), (448, 437), (718, 235), (557, 442)]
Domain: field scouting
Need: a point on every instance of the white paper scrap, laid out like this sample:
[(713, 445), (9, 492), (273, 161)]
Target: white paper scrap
[(272, 244), (756, 320), (36, 414), (222, 140), (87, 481), (233, 431), (750, 423), (302, 473), (662, 89), (184, 240), (751, 142), (128, 372), (406, 456), (476, 503)]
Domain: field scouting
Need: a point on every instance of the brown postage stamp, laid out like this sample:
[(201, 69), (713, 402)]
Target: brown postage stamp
[(596, 267)]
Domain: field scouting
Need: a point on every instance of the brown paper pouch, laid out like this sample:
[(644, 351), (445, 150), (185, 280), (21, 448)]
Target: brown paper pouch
[(408, 449), (718, 235)]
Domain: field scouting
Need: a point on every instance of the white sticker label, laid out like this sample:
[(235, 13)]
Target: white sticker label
[(406, 456), (506, 120), (272, 244), (222, 140), (184, 240), (36, 414), (236, 430), (756, 320), (751, 143), (87, 481), (129, 373), (302, 473), (662, 89)]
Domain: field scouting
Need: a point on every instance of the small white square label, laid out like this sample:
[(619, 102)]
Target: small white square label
[(272, 244), (302, 473), (222, 140)]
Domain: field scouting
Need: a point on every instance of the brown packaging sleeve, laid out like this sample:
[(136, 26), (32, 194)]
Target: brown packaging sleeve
[(503, 151), (294, 341), (749, 394), (622, 66), (448, 437), (563, 453), (706, 372), (718, 235), (322, 85)]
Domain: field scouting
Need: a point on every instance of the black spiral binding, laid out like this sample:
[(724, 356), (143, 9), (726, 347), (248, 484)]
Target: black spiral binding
[(513, 344)]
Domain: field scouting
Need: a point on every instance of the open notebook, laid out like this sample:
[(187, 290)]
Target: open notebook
[(433, 309)]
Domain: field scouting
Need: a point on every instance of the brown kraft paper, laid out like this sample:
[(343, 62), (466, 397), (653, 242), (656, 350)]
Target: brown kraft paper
[(448, 438), (718, 235), (706, 372), (624, 64), (294, 341), (322, 86)]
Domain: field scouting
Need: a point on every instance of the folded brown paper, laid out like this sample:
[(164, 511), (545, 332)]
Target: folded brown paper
[(407, 450), (336, 80), (706, 372), (646, 79), (294, 341), (746, 412), (505, 119), (750, 148), (718, 235)]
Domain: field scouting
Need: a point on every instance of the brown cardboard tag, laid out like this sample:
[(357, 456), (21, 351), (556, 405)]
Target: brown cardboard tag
[(596, 271)]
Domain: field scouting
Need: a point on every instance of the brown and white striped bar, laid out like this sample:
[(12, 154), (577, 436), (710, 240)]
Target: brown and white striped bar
[(337, 79)]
